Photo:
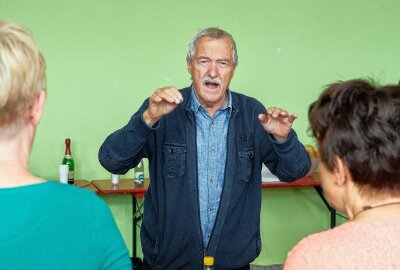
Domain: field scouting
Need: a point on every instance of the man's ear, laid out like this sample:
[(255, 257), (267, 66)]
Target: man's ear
[(189, 68), (37, 108), (341, 172)]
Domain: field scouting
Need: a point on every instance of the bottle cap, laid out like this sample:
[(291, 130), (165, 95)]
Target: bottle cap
[(63, 173), (208, 261)]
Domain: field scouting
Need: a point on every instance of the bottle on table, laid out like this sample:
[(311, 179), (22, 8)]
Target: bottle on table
[(139, 174), (68, 160), (208, 263)]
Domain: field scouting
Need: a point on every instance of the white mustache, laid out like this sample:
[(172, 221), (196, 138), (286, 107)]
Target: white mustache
[(208, 79)]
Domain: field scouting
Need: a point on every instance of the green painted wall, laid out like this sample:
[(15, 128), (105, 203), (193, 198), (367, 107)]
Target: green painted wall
[(105, 57)]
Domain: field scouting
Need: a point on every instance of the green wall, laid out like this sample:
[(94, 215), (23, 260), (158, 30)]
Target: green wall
[(105, 57)]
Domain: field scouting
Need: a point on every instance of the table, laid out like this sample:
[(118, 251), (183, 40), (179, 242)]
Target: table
[(126, 186), (85, 184), (313, 180)]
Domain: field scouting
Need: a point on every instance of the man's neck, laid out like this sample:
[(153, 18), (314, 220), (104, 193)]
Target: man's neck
[(213, 108)]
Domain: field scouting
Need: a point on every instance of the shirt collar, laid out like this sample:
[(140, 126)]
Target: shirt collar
[(195, 103)]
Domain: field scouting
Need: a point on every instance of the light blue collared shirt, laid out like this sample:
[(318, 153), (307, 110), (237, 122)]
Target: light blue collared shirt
[(211, 158)]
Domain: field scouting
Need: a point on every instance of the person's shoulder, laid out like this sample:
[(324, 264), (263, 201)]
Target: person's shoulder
[(306, 253), (326, 238), (243, 101), (241, 96), (65, 192), (68, 189), (317, 248), (67, 196), (185, 91)]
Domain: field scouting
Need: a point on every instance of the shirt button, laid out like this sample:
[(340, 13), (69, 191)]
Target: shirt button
[(212, 181), (212, 151), (212, 209)]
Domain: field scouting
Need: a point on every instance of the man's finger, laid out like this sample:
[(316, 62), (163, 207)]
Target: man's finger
[(174, 94), (162, 95), (157, 98), (263, 117), (292, 117), (283, 113)]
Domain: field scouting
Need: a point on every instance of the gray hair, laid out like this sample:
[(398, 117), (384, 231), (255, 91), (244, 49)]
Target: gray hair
[(213, 33)]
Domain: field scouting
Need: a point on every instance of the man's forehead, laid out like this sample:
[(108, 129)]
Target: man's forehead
[(210, 39), (206, 45)]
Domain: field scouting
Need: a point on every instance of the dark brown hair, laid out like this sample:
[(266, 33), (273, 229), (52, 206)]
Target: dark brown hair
[(360, 123)]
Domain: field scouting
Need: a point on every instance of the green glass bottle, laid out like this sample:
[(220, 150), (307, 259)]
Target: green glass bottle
[(68, 160)]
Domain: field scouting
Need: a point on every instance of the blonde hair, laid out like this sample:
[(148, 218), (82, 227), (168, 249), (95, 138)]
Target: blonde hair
[(22, 76)]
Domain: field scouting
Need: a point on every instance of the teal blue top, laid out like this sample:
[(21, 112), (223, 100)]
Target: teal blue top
[(55, 226)]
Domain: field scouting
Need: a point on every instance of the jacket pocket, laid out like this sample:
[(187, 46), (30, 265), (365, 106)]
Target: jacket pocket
[(246, 158), (174, 156)]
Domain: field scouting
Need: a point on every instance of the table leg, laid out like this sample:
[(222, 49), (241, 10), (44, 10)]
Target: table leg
[(137, 215), (331, 209), (134, 223)]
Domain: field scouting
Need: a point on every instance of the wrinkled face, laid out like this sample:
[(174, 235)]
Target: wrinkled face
[(212, 69)]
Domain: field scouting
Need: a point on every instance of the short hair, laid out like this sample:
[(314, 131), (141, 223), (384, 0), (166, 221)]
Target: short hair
[(22, 75), (360, 123), (213, 33)]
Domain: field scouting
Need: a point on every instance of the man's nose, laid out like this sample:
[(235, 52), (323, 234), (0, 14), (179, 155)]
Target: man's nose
[(213, 70)]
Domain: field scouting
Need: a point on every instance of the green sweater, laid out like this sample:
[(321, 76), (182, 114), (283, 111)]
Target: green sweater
[(55, 226)]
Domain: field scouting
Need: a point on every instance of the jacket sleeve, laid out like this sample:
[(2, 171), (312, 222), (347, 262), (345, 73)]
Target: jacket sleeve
[(291, 160), (124, 148), (288, 160)]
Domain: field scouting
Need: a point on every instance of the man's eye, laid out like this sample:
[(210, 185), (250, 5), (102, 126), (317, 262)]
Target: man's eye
[(203, 61), (223, 64)]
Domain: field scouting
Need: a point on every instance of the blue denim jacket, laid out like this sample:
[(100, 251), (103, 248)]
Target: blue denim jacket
[(171, 235)]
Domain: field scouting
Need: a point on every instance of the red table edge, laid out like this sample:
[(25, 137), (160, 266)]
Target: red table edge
[(82, 183), (307, 181), (138, 192)]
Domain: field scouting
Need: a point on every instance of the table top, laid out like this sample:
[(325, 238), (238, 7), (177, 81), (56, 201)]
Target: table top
[(125, 186), (313, 180), (85, 184)]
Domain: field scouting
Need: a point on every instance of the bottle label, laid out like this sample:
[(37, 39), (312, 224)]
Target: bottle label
[(139, 178), (71, 175)]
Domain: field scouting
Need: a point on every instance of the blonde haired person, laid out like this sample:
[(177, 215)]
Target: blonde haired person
[(357, 128), (43, 224)]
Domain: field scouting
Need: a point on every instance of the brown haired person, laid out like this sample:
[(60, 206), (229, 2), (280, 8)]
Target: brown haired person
[(357, 128), (43, 224)]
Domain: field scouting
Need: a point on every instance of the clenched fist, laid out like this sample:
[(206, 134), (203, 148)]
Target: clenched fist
[(163, 101)]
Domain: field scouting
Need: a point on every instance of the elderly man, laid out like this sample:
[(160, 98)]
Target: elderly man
[(205, 145)]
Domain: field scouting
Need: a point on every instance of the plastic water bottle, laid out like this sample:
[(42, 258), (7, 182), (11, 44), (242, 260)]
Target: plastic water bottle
[(139, 174)]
